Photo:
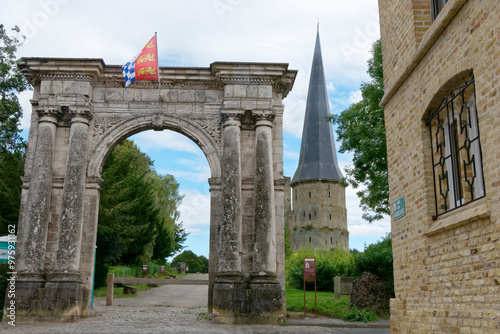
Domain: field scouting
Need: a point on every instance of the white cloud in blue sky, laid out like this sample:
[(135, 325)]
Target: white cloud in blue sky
[(196, 33)]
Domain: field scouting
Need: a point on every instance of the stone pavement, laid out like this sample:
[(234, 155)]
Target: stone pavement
[(175, 309)]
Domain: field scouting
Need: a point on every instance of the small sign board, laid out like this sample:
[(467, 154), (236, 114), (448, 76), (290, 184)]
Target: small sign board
[(309, 269), (399, 208), (310, 276), (144, 270), (162, 271)]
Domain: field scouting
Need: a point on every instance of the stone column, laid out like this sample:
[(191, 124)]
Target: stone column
[(264, 259), (33, 229), (230, 229), (229, 294), (31, 259), (266, 301), (215, 217), (70, 230)]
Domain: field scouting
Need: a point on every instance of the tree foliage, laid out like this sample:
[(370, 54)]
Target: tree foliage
[(361, 130), (194, 262), (329, 263), (138, 212), (12, 82), (12, 146)]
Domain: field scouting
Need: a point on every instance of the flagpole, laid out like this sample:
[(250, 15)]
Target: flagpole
[(158, 63)]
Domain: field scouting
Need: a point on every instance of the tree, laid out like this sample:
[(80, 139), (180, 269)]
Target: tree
[(170, 236), (12, 146), (193, 262), (361, 130), (127, 213)]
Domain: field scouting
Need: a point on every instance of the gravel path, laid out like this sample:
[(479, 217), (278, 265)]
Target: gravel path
[(166, 309)]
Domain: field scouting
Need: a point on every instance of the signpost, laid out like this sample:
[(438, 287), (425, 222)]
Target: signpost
[(310, 276), (162, 271), (144, 270)]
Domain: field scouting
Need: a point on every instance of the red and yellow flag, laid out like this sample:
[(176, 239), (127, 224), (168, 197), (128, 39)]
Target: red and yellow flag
[(144, 66)]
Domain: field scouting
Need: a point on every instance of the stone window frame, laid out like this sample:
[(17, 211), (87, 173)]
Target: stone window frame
[(458, 177), (436, 7)]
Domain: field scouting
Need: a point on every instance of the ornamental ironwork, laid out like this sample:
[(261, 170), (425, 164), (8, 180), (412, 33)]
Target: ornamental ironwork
[(456, 150)]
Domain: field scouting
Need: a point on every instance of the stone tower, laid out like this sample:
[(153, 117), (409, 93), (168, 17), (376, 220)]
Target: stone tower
[(319, 216)]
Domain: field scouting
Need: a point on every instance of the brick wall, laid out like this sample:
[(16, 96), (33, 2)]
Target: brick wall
[(447, 270)]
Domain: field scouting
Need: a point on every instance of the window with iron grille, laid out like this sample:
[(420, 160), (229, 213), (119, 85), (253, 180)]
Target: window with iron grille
[(437, 6), (456, 149)]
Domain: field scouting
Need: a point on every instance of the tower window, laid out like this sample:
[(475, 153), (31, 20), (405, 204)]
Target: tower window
[(330, 216), (331, 240), (309, 216), (309, 239), (329, 194), (304, 214), (309, 194)]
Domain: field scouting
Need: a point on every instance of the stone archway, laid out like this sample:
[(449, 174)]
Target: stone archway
[(233, 111)]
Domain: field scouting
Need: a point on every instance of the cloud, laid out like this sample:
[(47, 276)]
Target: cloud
[(195, 211), (169, 140), (355, 96), (357, 226), (195, 170), (330, 87)]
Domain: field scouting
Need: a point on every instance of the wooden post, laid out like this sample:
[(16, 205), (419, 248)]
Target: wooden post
[(110, 287)]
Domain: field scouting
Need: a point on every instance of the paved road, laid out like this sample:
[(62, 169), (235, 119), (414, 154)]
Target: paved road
[(166, 309)]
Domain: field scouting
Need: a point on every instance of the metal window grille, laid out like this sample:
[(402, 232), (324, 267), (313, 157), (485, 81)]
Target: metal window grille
[(456, 150)]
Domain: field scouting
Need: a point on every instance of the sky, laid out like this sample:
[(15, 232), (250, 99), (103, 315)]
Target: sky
[(196, 33)]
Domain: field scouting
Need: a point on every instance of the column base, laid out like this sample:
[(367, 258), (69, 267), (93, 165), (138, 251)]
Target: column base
[(57, 300), (266, 298), (257, 300)]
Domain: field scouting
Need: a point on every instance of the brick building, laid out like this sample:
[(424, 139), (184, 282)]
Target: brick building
[(441, 63), (319, 216)]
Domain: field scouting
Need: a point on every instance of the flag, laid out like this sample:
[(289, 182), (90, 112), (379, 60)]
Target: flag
[(144, 66)]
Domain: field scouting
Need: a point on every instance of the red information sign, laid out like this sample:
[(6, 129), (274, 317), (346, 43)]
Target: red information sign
[(310, 276), (310, 269), (162, 271), (144, 270)]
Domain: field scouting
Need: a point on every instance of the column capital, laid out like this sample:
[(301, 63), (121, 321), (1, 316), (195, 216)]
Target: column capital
[(80, 114), (48, 114), (264, 118), (231, 119)]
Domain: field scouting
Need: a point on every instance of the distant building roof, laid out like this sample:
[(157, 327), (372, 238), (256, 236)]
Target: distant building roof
[(318, 158)]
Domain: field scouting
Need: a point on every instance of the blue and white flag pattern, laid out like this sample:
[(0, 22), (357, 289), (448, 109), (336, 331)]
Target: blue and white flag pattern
[(128, 71)]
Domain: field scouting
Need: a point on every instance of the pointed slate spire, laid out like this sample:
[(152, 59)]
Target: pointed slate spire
[(318, 158)]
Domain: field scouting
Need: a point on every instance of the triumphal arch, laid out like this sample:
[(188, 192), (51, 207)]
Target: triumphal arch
[(233, 111)]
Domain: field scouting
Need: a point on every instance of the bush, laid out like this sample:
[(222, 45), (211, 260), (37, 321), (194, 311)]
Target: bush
[(359, 315), (154, 270), (329, 263)]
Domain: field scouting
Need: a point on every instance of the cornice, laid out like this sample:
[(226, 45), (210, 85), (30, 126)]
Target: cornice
[(218, 74)]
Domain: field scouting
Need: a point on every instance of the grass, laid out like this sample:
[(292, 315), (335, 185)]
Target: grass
[(118, 292), (327, 304)]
